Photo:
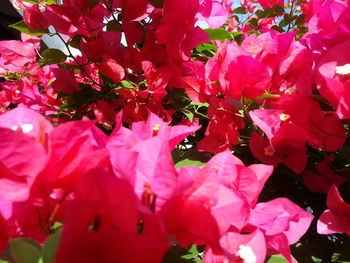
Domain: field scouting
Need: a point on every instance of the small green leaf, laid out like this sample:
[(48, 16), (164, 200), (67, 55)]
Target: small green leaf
[(278, 10), (92, 3), (206, 46), (50, 247), (316, 260), (193, 254), (124, 84), (268, 12), (278, 29), (114, 26), (50, 2), (189, 162), (193, 157), (253, 22), (24, 250), (240, 10), (188, 114), (75, 41), (278, 259), (31, 1), (51, 56), (21, 26), (300, 19), (218, 34), (157, 3)]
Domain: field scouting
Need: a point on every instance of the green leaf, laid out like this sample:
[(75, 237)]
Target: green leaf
[(278, 9), (253, 22), (193, 254), (188, 114), (157, 3), (124, 84), (175, 255), (189, 162), (316, 260), (75, 41), (278, 29), (21, 26), (51, 56), (24, 250), (50, 247), (92, 3), (268, 12), (193, 157), (206, 46), (50, 2), (31, 1), (278, 259), (114, 26), (240, 10), (300, 19), (218, 34)]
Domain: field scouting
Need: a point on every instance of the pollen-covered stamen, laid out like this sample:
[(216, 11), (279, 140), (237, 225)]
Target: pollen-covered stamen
[(343, 70), (41, 134), (25, 128), (149, 197), (269, 151), (155, 129), (284, 117)]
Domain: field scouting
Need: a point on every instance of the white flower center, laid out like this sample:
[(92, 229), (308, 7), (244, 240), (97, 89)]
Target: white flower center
[(25, 127), (343, 70), (247, 254)]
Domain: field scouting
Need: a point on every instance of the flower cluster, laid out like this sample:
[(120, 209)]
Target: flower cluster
[(160, 123)]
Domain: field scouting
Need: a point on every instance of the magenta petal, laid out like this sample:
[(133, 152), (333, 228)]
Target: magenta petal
[(329, 223)]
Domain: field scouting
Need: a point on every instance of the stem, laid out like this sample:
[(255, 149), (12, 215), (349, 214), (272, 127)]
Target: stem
[(291, 14), (76, 61)]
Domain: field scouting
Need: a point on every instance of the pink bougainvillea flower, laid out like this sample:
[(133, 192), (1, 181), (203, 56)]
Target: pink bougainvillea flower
[(287, 148), (63, 18), (282, 222), (30, 220), (222, 131), (194, 81), (195, 194), (104, 112), (146, 150), (153, 126), (29, 122), (102, 224), (106, 43), (333, 83), (111, 69), (64, 81), (34, 18), (15, 55), (247, 77), (337, 217), (17, 170), (326, 177), (247, 248), (270, 3), (323, 129), (248, 180), (217, 16), (238, 72), (177, 28), (134, 10), (157, 78)]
